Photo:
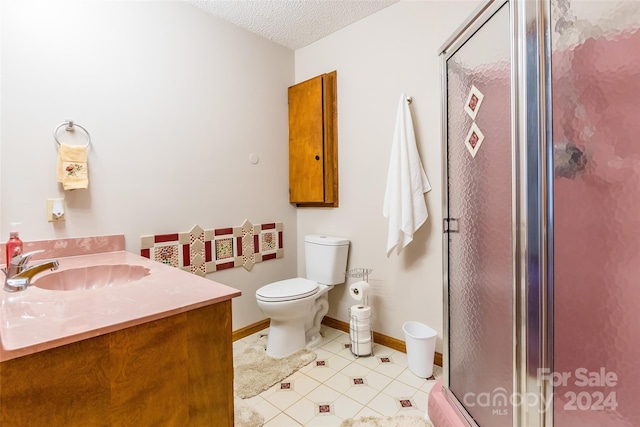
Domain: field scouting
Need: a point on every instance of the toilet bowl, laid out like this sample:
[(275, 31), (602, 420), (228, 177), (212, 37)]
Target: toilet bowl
[(296, 306)]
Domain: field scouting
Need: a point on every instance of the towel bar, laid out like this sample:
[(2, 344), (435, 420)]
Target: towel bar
[(69, 127)]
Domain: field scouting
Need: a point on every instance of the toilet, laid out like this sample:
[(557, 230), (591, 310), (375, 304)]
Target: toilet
[(296, 306)]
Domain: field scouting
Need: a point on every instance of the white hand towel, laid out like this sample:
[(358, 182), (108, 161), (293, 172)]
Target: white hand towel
[(404, 203)]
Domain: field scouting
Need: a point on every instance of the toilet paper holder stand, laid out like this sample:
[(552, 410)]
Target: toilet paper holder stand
[(359, 273), (358, 332)]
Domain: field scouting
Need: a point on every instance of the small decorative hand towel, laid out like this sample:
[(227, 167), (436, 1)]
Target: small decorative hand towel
[(404, 203), (72, 167)]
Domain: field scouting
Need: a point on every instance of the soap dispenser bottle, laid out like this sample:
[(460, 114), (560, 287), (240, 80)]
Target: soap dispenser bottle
[(14, 244)]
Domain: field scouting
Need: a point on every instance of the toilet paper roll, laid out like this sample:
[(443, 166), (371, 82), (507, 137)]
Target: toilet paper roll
[(359, 290), (360, 324), (360, 312), (361, 347), (358, 331)]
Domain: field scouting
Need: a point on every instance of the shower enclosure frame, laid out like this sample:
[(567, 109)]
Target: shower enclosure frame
[(532, 201)]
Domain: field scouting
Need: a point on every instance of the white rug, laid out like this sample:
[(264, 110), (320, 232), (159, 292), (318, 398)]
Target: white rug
[(245, 415), (255, 371), (399, 421)]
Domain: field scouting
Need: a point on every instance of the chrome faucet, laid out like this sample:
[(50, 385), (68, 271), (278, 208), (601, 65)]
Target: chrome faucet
[(19, 273)]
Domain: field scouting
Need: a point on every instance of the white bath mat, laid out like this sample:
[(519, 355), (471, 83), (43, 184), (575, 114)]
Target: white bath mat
[(398, 421), (255, 371)]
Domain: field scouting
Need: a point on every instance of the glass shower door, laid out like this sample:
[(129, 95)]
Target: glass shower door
[(479, 210)]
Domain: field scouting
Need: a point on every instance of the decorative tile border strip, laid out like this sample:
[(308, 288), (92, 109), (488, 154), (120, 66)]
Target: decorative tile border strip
[(202, 251)]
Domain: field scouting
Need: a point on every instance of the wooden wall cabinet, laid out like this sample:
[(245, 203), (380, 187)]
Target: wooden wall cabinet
[(313, 142)]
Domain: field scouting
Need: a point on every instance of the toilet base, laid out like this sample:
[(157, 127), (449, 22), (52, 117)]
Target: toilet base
[(285, 338), (295, 324), (314, 341)]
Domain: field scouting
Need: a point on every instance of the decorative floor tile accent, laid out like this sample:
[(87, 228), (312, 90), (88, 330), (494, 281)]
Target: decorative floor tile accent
[(204, 251), (333, 386), (324, 409), (358, 381), (406, 403)]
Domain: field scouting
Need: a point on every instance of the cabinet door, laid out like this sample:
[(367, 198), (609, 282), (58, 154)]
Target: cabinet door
[(313, 142), (306, 151)]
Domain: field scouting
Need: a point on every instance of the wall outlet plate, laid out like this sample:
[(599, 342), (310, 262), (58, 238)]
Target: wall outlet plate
[(55, 210)]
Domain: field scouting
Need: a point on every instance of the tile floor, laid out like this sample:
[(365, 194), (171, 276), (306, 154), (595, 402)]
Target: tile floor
[(339, 385)]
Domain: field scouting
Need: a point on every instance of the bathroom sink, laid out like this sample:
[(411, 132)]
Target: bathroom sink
[(94, 277)]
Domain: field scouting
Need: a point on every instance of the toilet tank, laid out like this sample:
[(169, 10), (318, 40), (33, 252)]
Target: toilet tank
[(326, 258)]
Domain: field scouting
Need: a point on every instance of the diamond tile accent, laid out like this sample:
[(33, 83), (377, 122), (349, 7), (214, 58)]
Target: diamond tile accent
[(196, 232), (474, 100), (197, 246), (248, 261), (198, 265), (474, 139)]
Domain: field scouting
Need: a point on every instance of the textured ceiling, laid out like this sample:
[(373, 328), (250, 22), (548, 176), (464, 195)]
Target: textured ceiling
[(292, 23)]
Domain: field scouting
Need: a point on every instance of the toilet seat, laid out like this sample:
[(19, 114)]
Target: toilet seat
[(287, 290)]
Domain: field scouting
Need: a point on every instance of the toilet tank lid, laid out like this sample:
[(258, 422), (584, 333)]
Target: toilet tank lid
[(321, 239)]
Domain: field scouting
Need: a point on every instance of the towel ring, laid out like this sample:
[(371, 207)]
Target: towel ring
[(69, 127)]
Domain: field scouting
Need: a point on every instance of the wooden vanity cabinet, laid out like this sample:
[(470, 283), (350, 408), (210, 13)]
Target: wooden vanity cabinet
[(175, 371), (313, 142)]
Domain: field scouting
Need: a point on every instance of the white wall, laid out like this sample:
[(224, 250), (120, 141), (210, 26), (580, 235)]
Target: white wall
[(175, 101), (392, 51)]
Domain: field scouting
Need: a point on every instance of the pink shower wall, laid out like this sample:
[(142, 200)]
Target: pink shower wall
[(596, 95)]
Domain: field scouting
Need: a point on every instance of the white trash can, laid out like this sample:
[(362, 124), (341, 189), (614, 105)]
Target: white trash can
[(421, 347)]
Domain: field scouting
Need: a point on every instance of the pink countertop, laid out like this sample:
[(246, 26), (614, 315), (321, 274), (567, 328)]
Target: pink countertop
[(38, 319)]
